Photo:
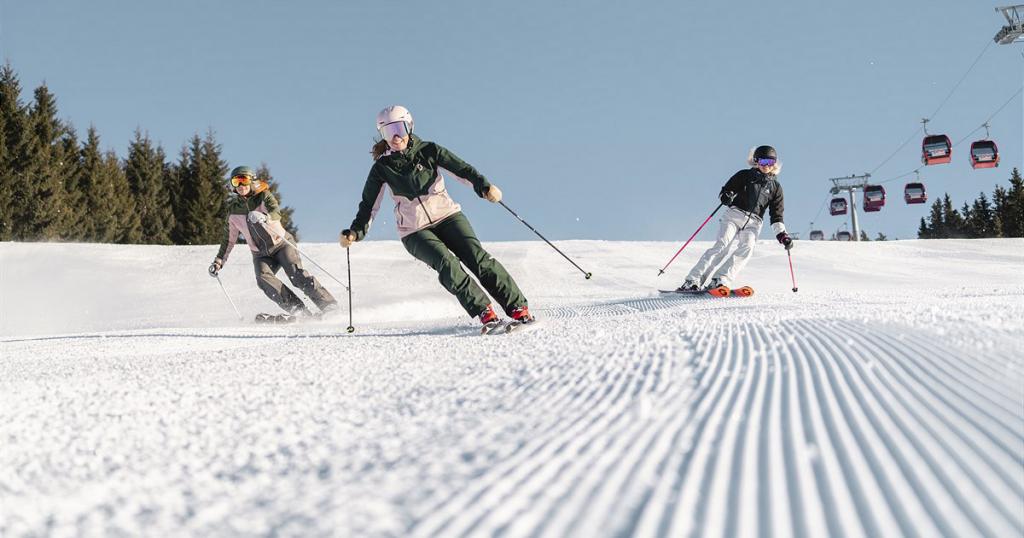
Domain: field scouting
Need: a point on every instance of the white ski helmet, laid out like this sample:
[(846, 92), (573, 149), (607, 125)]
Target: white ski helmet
[(392, 114)]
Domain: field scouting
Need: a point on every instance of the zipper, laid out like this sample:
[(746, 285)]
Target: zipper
[(425, 212)]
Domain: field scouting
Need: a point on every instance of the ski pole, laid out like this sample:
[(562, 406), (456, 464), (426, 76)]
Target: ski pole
[(348, 262), (662, 270), (240, 318), (585, 274), (311, 260), (792, 275)]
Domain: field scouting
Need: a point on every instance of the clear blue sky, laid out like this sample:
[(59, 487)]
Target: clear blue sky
[(598, 122)]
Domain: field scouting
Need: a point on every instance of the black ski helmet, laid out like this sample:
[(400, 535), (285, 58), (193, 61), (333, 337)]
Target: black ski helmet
[(765, 152)]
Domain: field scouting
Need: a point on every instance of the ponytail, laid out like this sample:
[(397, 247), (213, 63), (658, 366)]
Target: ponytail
[(379, 149)]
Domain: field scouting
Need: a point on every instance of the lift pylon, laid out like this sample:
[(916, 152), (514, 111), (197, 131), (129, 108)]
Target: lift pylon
[(851, 184)]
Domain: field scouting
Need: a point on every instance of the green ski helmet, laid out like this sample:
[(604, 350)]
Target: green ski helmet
[(243, 171)]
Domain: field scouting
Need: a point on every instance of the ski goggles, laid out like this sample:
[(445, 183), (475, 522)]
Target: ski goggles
[(241, 180), (765, 162), (393, 129)]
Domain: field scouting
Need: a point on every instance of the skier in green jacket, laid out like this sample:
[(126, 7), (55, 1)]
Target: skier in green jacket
[(431, 225), (253, 212)]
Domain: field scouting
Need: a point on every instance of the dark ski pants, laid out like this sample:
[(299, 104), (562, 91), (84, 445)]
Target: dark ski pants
[(287, 258), (451, 241)]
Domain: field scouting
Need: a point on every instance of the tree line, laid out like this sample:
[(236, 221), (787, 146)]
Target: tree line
[(1002, 215), (54, 187)]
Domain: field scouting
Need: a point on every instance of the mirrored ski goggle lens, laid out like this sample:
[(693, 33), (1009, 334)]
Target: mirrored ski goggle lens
[(765, 162), (241, 180), (391, 130)]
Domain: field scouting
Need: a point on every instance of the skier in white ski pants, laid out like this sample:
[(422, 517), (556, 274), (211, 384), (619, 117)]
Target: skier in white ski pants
[(748, 194), (735, 224)]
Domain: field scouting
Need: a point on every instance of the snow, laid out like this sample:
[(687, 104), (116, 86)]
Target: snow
[(886, 397)]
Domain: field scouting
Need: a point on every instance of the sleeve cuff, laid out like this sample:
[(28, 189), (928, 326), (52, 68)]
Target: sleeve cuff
[(778, 227)]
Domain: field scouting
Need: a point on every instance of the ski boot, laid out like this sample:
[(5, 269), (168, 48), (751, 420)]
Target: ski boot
[(689, 287), (520, 316), (489, 319), (716, 288)]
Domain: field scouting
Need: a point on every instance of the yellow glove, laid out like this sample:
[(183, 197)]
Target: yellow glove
[(346, 238), (493, 194)]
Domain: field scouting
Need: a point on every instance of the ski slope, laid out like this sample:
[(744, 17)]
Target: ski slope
[(885, 398)]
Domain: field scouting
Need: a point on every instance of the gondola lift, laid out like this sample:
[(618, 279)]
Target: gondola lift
[(914, 192), (874, 198), (935, 149), (984, 153), (837, 206)]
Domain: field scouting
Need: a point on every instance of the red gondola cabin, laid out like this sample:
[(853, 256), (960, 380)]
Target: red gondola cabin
[(936, 149), (874, 198), (984, 154), (837, 207), (914, 193)]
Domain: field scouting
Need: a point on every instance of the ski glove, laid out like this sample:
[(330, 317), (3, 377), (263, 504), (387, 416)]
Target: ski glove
[(256, 217), (785, 239), (215, 266), (493, 194), (346, 238), (727, 197)]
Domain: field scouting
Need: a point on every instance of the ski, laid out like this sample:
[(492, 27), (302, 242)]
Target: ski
[(743, 291), (264, 317), (515, 325), (721, 291), (505, 326), (493, 327)]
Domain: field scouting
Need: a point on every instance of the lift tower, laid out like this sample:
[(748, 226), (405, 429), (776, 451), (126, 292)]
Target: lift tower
[(851, 184), (1013, 32)]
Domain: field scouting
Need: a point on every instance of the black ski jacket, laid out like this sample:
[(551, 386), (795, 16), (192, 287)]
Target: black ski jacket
[(755, 192)]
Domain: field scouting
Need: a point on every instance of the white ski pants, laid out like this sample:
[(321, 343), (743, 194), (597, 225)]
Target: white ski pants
[(737, 225)]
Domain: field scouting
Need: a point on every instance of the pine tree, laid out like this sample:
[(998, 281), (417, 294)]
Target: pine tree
[(201, 192), (263, 172), (1000, 200), (76, 218), (954, 223), (50, 159), (881, 237), (96, 183), (1013, 215), (186, 187), (937, 222), (182, 176), (146, 178), (982, 219), (214, 202), (965, 227), (127, 221), (923, 232), (864, 236), (13, 139)]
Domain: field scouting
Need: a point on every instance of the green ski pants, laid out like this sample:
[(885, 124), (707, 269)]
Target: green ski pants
[(451, 241)]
